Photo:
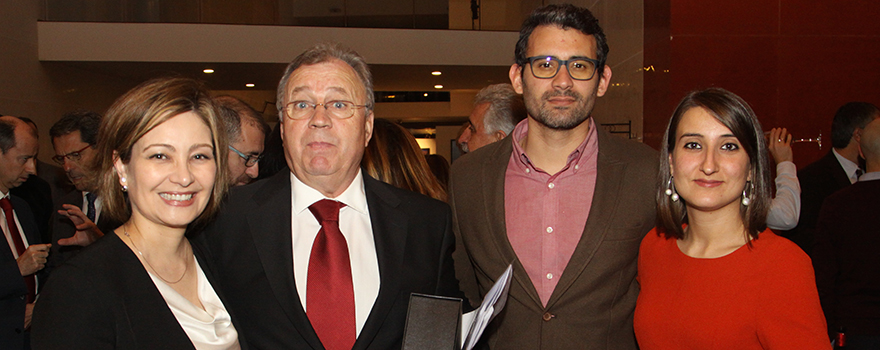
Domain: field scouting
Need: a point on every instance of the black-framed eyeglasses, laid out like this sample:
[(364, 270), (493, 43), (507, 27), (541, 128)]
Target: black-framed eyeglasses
[(579, 68), (249, 160), (74, 156), (298, 110)]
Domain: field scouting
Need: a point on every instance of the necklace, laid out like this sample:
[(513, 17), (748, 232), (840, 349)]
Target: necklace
[(185, 266)]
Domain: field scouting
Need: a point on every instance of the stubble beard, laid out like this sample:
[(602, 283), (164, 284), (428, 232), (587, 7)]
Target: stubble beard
[(561, 118)]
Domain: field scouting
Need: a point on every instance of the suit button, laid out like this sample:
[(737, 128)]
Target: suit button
[(18, 330), (547, 316)]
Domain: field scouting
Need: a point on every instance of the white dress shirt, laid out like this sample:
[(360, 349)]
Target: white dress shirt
[(355, 225), (7, 234), (848, 166), (785, 209)]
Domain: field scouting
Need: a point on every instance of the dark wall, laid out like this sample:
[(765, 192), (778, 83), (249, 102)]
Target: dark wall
[(795, 62)]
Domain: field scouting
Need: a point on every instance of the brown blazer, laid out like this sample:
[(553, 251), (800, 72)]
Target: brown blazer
[(592, 305)]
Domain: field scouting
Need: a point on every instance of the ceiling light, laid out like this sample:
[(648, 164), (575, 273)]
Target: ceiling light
[(249, 85), (426, 94), (208, 71), (436, 72), (438, 86)]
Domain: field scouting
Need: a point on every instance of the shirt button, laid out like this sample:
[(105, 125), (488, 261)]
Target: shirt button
[(551, 185), (528, 170), (549, 229), (549, 276), (547, 316), (576, 167)]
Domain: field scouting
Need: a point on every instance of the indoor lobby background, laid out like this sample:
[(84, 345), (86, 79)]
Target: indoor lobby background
[(795, 62)]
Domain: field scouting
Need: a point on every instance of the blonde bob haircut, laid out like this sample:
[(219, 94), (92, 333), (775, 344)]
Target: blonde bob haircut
[(135, 114)]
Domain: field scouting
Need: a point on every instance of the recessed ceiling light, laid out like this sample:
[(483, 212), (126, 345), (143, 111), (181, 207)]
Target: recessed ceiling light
[(208, 71), (249, 85), (426, 94), (436, 72), (438, 86)]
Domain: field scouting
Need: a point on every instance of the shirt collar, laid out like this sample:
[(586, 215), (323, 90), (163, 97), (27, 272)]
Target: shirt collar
[(585, 149), (353, 197), (874, 175), (848, 166)]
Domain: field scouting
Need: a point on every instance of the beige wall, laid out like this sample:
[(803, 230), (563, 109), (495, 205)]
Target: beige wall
[(30, 89)]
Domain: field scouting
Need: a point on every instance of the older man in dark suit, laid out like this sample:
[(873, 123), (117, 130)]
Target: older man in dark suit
[(845, 254), (836, 170), (322, 256), (24, 257), (563, 200)]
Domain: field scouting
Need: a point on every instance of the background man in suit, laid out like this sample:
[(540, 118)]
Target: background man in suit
[(25, 256), (280, 243), (77, 219), (836, 170), (563, 200), (845, 254), (247, 132), (497, 109)]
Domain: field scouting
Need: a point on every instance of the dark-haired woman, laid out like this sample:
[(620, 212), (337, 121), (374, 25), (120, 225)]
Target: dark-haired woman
[(712, 276)]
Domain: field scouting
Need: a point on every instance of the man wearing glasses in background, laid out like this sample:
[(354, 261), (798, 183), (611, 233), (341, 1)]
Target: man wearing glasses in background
[(77, 220), (563, 200), (246, 131)]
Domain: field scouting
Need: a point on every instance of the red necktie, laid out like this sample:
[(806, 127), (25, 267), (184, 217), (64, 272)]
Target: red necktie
[(329, 291), (29, 280)]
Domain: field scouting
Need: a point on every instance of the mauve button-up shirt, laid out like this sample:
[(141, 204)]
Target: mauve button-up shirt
[(545, 213)]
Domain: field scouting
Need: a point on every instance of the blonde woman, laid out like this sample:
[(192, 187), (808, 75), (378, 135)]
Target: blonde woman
[(143, 286)]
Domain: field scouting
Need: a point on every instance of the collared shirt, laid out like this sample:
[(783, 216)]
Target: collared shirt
[(355, 225), (6, 233), (848, 166), (874, 175), (546, 213), (98, 206)]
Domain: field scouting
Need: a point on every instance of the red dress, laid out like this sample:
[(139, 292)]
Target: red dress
[(763, 297)]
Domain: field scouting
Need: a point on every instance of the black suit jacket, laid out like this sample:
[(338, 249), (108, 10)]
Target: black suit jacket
[(38, 195), (13, 291), (818, 181), (251, 243), (103, 298), (62, 227), (846, 259)]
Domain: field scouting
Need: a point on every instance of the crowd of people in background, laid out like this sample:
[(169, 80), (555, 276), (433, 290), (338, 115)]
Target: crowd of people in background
[(181, 220)]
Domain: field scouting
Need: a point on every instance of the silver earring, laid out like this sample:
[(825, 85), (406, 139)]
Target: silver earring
[(745, 196), (124, 187), (670, 191)]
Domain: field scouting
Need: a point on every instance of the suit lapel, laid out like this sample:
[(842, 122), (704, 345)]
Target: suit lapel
[(492, 177), (270, 228), (390, 227), (608, 184)]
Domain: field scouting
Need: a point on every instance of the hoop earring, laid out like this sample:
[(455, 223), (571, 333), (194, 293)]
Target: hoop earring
[(746, 196), (670, 190)]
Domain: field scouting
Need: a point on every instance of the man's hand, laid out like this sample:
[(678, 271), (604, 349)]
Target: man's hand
[(28, 313), (86, 230), (33, 259), (779, 144)]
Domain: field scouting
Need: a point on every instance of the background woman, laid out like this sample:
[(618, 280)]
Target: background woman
[(711, 275), (144, 287), (393, 156)]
